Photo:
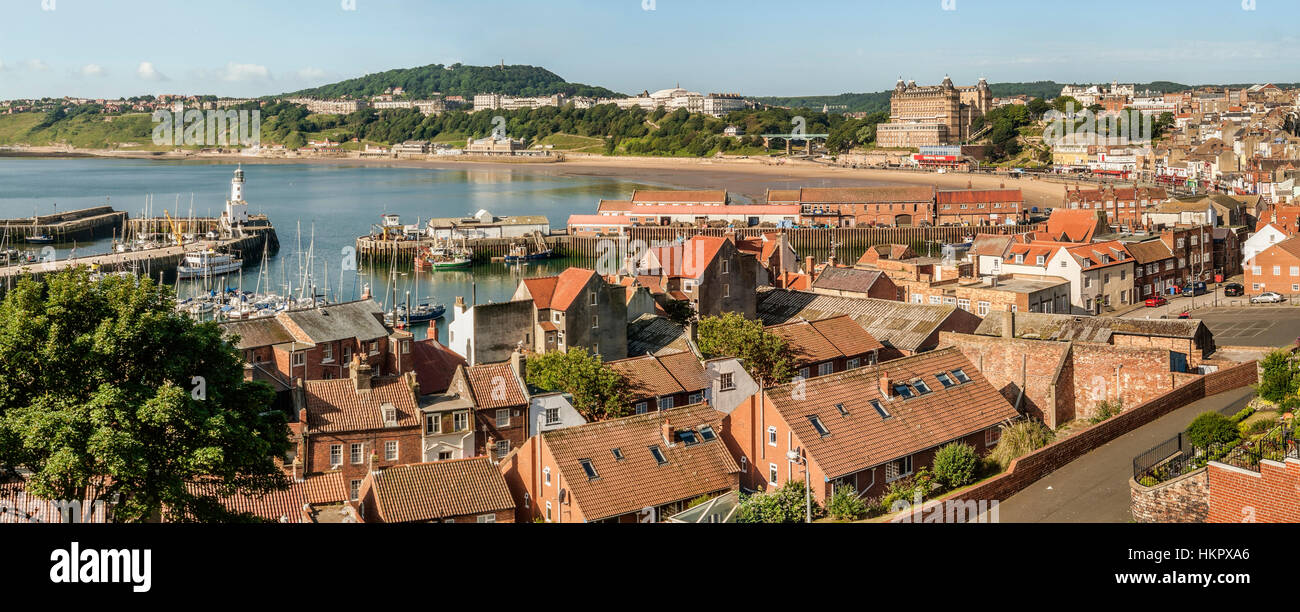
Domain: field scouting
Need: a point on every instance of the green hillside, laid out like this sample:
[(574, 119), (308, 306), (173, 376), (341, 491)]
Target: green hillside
[(458, 80)]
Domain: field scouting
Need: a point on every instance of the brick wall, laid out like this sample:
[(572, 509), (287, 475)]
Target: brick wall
[(1185, 499), (1011, 365), (1271, 495), (1030, 468)]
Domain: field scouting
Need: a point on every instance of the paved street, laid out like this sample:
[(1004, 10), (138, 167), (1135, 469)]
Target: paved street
[(1094, 488), (1257, 325)]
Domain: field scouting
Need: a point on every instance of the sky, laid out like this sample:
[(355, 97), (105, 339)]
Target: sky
[(112, 48)]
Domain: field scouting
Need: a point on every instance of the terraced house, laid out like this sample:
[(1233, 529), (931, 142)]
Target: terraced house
[(458, 491), (865, 427), (828, 345)]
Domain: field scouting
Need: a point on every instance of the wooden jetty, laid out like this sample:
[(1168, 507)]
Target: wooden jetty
[(83, 224), (850, 242)]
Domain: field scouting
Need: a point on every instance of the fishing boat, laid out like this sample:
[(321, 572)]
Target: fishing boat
[(39, 239), (420, 313), (530, 249), (207, 263)]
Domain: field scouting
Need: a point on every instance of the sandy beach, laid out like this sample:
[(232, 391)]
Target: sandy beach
[(749, 177)]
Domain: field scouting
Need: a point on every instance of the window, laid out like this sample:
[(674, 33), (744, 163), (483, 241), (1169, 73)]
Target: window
[(374, 347), (707, 433), (546, 476), (903, 390), (336, 455), (641, 408), (658, 454), (354, 490), (695, 398), (817, 424), (842, 410), (552, 416), (355, 452), (595, 321), (1040, 260), (728, 381), (460, 421), (934, 299), (961, 375), (503, 417), (1277, 270), (852, 363), (945, 380), (432, 424), (618, 454), (666, 403), (487, 518), (1256, 270), (390, 415), (688, 437), (502, 448), (771, 474), (921, 387), (982, 309), (825, 368), (327, 354), (406, 350), (803, 372), (390, 450), (726, 291), (964, 304), (992, 435), (588, 469), (594, 299), (548, 511), (880, 409), (725, 267), (898, 468), (445, 455), (771, 435), (347, 354), (555, 317), (299, 359)]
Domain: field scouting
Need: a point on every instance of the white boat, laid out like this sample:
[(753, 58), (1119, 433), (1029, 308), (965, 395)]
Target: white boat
[(208, 263)]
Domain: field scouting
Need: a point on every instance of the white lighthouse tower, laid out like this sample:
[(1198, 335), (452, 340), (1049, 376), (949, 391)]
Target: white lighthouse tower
[(236, 208)]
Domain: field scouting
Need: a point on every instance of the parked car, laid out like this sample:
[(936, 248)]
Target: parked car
[(1194, 288), (1233, 289), (1268, 297), (1152, 302)]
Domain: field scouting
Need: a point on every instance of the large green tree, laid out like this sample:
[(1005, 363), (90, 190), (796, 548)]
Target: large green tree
[(106, 394), (598, 391), (765, 355)]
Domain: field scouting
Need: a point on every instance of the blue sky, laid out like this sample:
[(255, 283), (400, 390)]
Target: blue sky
[(109, 48)]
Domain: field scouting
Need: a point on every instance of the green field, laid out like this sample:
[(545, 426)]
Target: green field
[(85, 132)]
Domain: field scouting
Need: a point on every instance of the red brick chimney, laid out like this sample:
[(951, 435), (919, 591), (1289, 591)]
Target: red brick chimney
[(808, 264), (668, 432), (886, 389)]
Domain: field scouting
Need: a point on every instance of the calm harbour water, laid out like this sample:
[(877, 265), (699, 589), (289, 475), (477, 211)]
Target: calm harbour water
[(336, 202)]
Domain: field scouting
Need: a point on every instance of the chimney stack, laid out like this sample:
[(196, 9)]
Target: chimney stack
[(1009, 324), (518, 362), (297, 469), (460, 304), (808, 264), (360, 373), (668, 432), (886, 389)]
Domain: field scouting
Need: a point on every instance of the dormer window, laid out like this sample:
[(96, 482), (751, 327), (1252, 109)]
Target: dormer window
[(921, 387), (945, 380), (390, 415), (688, 437), (961, 375), (707, 433)]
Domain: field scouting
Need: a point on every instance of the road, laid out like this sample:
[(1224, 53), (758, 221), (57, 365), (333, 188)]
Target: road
[(1094, 488)]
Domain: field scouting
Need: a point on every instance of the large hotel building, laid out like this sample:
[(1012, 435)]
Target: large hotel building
[(930, 115)]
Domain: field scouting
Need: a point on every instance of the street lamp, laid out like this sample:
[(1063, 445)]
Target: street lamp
[(794, 456)]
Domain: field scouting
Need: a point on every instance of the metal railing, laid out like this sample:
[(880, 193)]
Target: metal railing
[(1175, 456), (1276, 445)]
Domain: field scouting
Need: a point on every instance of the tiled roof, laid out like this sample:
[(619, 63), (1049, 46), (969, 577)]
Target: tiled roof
[(441, 489), (599, 220), (1149, 251), (1074, 224), (687, 369), (852, 195), (494, 385), (718, 196), (900, 324), (783, 196), (336, 405), (847, 279), (286, 505), (825, 339), (993, 245), (253, 333), (638, 480), (435, 365), (1101, 254), (686, 259), (1291, 246), (558, 292), (337, 322), (864, 439), (847, 335), (646, 377)]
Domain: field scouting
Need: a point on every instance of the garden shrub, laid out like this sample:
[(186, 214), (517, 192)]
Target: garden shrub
[(955, 465)]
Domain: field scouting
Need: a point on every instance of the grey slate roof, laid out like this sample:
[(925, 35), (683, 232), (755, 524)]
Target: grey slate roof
[(1045, 326), (339, 321), (655, 335), (847, 279)]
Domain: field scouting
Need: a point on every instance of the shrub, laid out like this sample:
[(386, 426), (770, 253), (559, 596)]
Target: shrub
[(1255, 427), (784, 505), (955, 465), (1212, 428), (1243, 414), (1279, 377), (1020, 439), (1148, 481), (845, 505), (1105, 410)]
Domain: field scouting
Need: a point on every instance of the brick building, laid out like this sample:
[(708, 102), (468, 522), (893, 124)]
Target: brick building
[(1193, 249), (458, 491), (574, 309), (1276, 269), (710, 273), (1123, 206), (933, 114), (357, 424), (1269, 495), (663, 382), (633, 469), (853, 282), (895, 205), (827, 346), (865, 427), (1154, 269), (979, 207)]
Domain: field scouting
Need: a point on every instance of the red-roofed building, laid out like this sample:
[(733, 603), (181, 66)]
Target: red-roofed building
[(577, 308), (827, 346), (1075, 225), (709, 272), (1276, 269), (896, 205), (1123, 206), (469, 490), (979, 207)]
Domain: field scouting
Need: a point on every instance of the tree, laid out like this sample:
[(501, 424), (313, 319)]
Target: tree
[(1278, 380), (680, 312), (106, 394), (765, 355), (598, 391), (1212, 428), (955, 465), (787, 504)]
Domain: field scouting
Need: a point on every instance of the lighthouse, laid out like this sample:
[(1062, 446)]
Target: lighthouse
[(236, 208)]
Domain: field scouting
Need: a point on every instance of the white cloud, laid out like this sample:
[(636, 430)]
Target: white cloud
[(147, 72), (309, 73), (92, 70), (36, 65), (244, 72)]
